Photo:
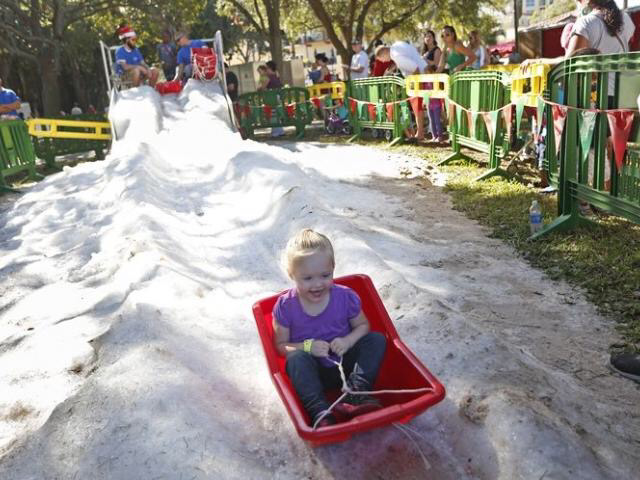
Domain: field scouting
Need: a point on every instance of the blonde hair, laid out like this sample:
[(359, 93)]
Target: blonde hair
[(381, 49), (306, 242)]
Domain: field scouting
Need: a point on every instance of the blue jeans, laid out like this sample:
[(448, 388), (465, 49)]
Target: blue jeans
[(310, 378)]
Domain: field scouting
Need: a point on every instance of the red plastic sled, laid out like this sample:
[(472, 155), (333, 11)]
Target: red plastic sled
[(174, 86), (400, 370), (204, 61)]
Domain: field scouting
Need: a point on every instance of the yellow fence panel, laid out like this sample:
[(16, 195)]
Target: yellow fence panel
[(529, 83), (80, 130), (335, 89), (502, 68), (434, 84)]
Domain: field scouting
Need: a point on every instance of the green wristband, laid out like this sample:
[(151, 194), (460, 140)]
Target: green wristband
[(306, 345)]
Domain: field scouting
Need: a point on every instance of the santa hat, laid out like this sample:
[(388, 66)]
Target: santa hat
[(126, 32)]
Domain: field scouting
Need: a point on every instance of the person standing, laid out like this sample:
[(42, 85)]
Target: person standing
[(76, 110), (232, 83), (480, 51), (430, 50), (9, 102), (359, 67), (129, 61), (455, 57), (274, 83), (167, 54), (409, 62), (184, 55)]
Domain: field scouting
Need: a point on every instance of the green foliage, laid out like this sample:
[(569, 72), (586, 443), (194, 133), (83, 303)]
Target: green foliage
[(556, 8), (236, 37)]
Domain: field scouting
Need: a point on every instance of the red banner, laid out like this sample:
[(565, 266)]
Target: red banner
[(371, 107), (470, 124), (620, 124), (354, 105), (390, 112), (508, 117), (416, 104), (559, 114), (267, 111), (488, 121), (291, 110)]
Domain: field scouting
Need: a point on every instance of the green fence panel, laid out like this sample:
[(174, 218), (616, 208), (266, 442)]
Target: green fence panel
[(379, 91), (50, 148), (275, 108), (16, 152), (479, 91), (590, 174)]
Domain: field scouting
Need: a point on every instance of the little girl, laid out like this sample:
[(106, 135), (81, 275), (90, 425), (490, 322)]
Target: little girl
[(317, 320)]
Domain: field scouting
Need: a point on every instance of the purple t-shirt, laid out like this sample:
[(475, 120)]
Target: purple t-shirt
[(344, 304)]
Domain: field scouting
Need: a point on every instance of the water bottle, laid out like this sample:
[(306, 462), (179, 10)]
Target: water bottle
[(535, 217)]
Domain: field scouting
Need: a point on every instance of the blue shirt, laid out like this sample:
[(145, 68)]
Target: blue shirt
[(8, 96), (124, 56), (184, 54)]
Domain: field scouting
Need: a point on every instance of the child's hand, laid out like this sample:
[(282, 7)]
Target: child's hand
[(339, 346), (320, 348)]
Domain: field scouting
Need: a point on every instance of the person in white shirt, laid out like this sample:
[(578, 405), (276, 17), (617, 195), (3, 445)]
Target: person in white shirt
[(475, 44), (359, 67), (409, 61), (601, 25), (76, 110)]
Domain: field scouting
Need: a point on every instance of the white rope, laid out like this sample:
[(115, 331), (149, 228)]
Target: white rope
[(346, 390), (408, 432)]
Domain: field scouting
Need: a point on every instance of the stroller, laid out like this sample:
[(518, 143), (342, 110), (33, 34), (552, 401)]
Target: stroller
[(337, 121)]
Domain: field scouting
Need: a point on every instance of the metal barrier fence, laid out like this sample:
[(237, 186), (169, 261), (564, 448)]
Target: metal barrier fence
[(387, 107), (592, 145), (274, 108), (53, 137), (481, 95), (16, 152)]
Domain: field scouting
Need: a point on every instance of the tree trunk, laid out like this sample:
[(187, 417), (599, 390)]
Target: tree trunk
[(275, 34), (80, 92), (49, 61)]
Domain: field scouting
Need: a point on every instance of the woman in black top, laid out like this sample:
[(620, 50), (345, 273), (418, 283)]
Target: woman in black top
[(430, 50)]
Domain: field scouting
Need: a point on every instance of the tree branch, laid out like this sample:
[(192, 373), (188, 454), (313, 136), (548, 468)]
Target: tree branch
[(259, 14), (249, 17), (387, 26), (13, 6)]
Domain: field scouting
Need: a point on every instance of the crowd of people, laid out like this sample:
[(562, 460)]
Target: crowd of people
[(174, 55)]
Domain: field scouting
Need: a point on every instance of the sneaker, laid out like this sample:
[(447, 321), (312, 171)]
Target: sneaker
[(627, 365), (327, 421), (353, 405)]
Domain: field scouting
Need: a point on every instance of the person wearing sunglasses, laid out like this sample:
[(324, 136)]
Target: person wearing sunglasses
[(455, 56)]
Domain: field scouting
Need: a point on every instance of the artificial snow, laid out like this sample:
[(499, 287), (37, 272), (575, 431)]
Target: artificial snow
[(128, 348)]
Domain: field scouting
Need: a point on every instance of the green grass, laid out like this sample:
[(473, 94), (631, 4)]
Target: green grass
[(604, 259)]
